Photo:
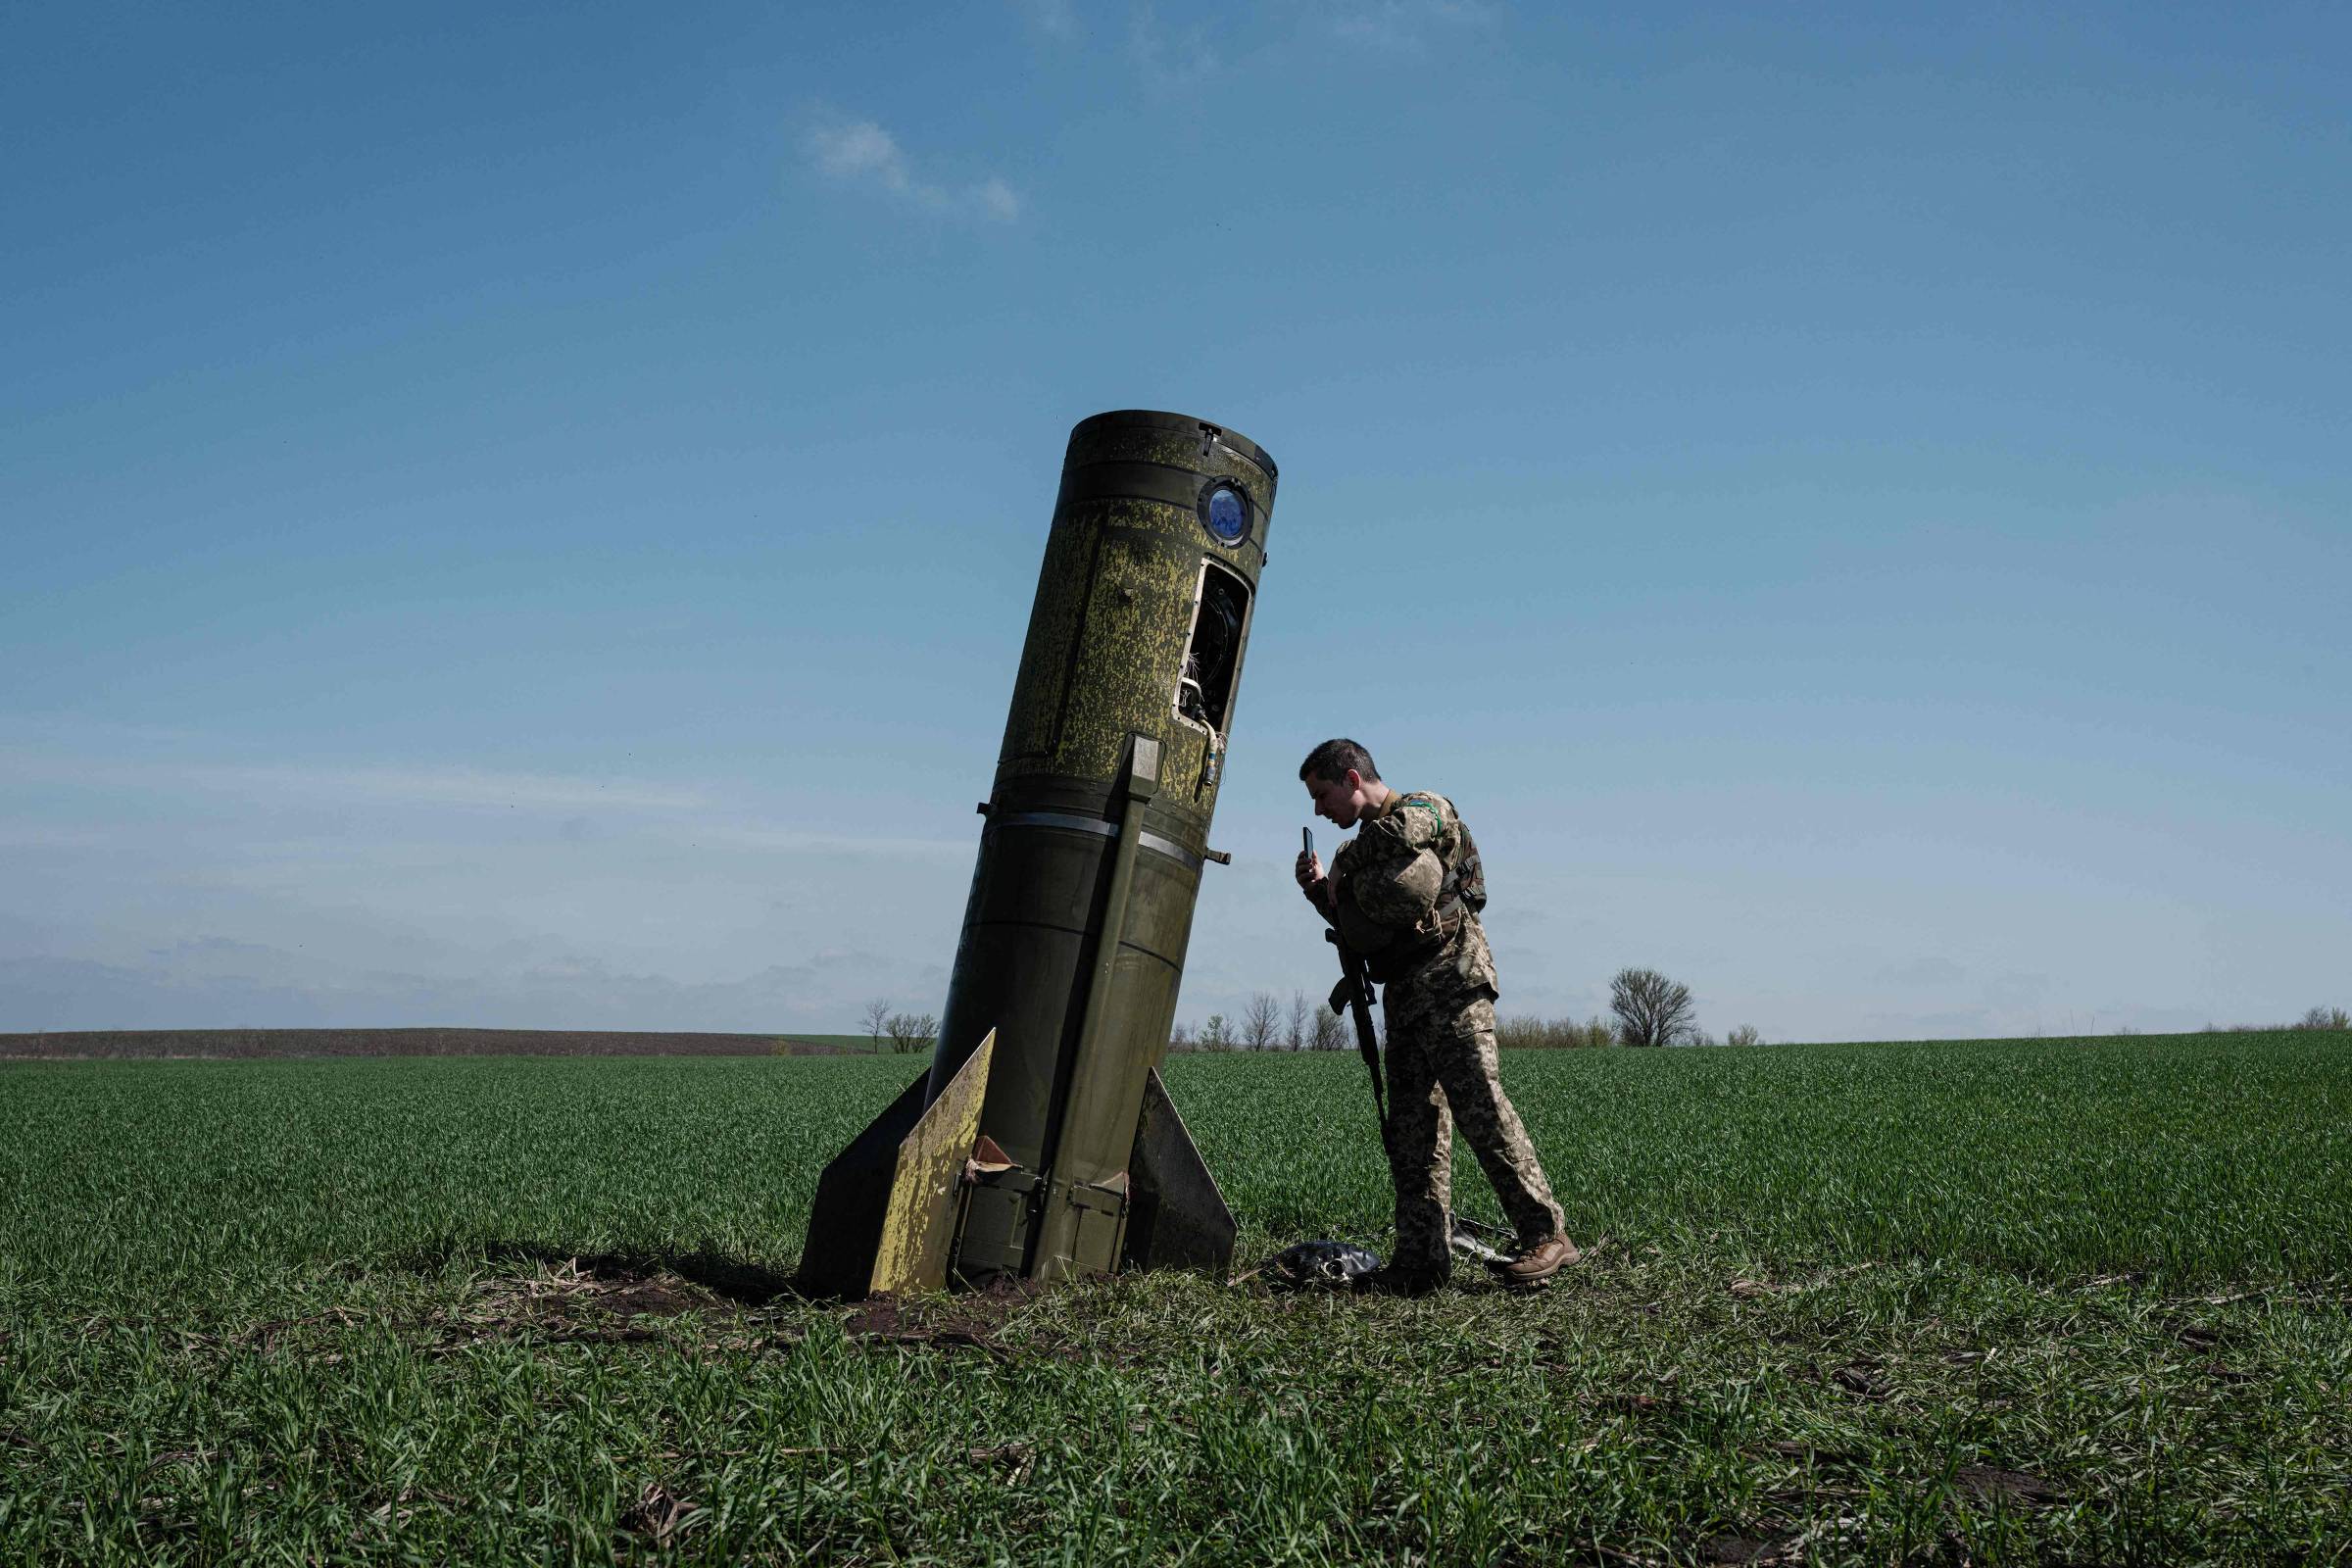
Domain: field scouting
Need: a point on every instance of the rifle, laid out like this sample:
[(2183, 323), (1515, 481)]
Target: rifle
[(1353, 994)]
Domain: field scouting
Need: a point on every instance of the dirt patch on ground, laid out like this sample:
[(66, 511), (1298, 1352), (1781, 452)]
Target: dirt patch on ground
[(584, 1299), (658, 1514), (968, 1320), (737, 1281), (612, 1287), (1988, 1485), (519, 1292), (615, 1300), (1769, 1542)]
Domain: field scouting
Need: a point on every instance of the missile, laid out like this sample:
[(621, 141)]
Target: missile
[(1042, 1144)]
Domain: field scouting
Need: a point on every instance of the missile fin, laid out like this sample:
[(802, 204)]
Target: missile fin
[(1177, 1217), (885, 1210)]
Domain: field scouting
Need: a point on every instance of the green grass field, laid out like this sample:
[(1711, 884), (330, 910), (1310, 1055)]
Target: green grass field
[(2052, 1300)]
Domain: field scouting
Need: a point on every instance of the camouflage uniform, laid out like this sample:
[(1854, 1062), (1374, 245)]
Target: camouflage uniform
[(1411, 875)]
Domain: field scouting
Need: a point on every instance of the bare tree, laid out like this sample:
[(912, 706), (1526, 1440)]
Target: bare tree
[(2325, 1018), (1261, 1020), (1215, 1035), (1180, 1037), (1296, 1036), (1330, 1033), (1744, 1035), (1552, 1034), (909, 1032), (1654, 1009), (877, 1021)]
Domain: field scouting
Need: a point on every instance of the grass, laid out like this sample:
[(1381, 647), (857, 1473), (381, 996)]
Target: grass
[(2063, 1301)]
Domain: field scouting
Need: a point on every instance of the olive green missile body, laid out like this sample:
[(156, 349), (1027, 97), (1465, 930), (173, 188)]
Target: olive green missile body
[(1042, 1144)]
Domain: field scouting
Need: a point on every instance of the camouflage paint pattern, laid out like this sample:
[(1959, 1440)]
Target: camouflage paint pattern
[(1109, 629), (1114, 606)]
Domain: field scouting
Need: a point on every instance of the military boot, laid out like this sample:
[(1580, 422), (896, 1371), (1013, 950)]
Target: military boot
[(1532, 1265), (1395, 1281)]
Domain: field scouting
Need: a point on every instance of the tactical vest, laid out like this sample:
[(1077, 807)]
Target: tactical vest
[(1461, 895), (1465, 885)]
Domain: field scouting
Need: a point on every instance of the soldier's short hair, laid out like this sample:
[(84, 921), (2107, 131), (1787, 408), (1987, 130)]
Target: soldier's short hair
[(1334, 760)]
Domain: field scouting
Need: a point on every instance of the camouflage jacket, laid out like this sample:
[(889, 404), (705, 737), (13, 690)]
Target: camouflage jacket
[(1413, 875)]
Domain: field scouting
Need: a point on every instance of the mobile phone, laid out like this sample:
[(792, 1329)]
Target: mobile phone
[(1306, 841)]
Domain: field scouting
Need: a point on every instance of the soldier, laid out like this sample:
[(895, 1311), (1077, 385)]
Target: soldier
[(1405, 894)]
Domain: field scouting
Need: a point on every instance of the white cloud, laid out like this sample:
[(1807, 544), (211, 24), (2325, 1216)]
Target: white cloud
[(859, 149), (998, 200), (1055, 19), (862, 152)]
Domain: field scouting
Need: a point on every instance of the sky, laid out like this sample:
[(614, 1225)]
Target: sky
[(526, 517)]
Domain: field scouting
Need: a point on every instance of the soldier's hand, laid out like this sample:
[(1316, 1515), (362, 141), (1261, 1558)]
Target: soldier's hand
[(1309, 870)]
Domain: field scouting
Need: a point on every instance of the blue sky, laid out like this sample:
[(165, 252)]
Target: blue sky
[(525, 516)]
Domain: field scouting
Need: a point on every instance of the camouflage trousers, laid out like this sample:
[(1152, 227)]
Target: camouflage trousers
[(1442, 1070)]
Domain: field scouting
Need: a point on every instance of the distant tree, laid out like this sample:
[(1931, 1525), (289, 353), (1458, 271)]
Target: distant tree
[(2325, 1018), (1261, 1020), (1651, 1009), (1744, 1035), (1330, 1033), (1180, 1037), (1217, 1033), (1553, 1034), (909, 1032), (1301, 1023), (877, 1021)]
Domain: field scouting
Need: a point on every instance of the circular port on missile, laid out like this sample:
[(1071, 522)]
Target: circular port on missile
[(1226, 512)]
